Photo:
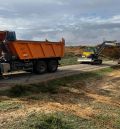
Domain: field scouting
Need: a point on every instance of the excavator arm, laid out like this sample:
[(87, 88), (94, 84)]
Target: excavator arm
[(101, 47)]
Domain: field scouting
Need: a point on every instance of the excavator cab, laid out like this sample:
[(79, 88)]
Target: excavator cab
[(88, 52), (89, 56)]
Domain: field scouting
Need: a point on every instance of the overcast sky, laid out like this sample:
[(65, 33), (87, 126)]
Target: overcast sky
[(78, 21)]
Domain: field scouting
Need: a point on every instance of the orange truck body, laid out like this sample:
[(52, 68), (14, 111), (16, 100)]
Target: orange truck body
[(36, 49), (33, 56)]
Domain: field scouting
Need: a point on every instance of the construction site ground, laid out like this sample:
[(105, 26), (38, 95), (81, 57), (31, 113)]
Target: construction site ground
[(94, 98), (21, 77)]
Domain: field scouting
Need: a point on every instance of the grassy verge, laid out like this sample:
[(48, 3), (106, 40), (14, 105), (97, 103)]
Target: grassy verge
[(93, 109), (69, 59), (52, 86)]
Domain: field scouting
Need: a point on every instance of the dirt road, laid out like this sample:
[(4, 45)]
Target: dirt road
[(28, 78)]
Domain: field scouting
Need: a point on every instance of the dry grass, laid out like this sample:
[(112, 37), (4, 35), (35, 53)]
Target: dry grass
[(85, 103)]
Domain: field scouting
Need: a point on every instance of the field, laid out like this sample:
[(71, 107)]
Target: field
[(85, 101), (71, 55)]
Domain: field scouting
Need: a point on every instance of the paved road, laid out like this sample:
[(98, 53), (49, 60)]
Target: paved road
[(28, 78)]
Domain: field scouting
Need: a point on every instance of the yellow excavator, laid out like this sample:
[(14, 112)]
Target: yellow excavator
[(92, 55)]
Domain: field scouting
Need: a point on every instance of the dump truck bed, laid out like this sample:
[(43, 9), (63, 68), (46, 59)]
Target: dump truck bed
[(36, 49)]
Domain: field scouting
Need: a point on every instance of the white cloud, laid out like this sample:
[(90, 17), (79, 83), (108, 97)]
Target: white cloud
[(100, 20), (77, 21)]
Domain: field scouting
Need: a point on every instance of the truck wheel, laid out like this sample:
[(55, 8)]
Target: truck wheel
[(40, 67), (52, 66)]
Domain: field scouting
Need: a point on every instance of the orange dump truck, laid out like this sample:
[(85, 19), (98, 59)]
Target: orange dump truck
[(35, 56)]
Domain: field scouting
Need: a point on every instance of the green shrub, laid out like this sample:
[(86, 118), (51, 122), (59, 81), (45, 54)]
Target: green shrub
[(17, 91)]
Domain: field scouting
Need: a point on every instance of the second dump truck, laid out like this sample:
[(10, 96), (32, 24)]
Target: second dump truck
[(35, 56)]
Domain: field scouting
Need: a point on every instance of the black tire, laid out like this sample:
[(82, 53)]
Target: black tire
[(52, 66), (40, 67)]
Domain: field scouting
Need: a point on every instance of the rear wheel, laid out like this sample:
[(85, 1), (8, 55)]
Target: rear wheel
[(40, 67), (52, 65)]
